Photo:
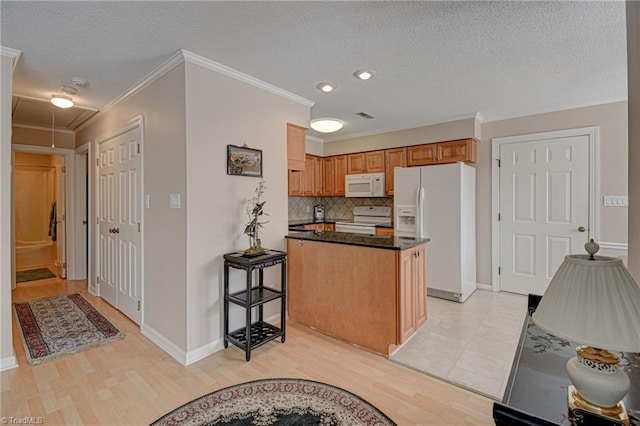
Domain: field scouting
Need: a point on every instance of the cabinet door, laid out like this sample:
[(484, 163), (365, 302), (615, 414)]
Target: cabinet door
[(406, 297), (329, 227), (294, 183), (374, 162), (356, 163), (384, 231), (460, 150), (420, 285), (327, 175), (340, 171), (295, 147), (314, 226), (396, 157), (422, 155), (310, 181)]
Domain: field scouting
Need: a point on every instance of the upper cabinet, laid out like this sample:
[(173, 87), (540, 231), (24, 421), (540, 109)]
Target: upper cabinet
[(311, 177), (327, 176), (396, 157), (340, 171), (365, 162), (295, 147), (442, 153)]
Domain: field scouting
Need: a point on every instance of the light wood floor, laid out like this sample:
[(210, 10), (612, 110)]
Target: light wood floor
[(133, 382)]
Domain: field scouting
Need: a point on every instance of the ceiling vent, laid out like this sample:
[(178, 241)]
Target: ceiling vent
[(365, 115)]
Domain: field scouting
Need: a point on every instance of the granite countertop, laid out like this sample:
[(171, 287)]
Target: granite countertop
[(301, 222), (374, 241)]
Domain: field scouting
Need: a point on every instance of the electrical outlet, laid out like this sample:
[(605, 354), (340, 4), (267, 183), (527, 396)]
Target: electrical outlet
[(308, 209)]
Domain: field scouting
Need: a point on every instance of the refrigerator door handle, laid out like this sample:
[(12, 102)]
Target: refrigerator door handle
[(419, 212)]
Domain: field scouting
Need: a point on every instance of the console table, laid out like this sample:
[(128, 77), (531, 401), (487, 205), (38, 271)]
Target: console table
[(254, 334), (536, 393)]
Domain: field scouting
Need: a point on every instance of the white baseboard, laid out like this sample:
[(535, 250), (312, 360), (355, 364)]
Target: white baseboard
[(481, 286), (8, 363), (164, 344), (204, 351), (184, 358)]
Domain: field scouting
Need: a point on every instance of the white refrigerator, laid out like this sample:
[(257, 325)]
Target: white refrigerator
[(439, 202)]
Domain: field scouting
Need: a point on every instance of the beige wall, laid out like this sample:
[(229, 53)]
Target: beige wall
[(633, 60), (7, 358), (162, 104), (612, 120), (459, 129), (220, 111), (42, 137)]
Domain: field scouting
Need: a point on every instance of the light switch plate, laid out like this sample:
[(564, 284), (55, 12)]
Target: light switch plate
[(174, 200), (616, 201)]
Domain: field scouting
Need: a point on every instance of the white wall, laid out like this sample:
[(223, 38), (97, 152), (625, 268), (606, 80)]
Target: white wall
[(633, 75), (42, 137), (7, 356), (162, 104), (222, 110)]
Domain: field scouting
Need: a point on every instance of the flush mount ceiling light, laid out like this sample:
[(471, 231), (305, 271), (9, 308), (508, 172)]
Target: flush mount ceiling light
[(61, 101), (326, 125), (326, 87), (364, 74)]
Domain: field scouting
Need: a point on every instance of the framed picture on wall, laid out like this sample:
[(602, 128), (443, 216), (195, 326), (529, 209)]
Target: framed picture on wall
[(244, 161)]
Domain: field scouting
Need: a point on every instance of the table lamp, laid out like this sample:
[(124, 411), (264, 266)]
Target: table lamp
[(594, 301)]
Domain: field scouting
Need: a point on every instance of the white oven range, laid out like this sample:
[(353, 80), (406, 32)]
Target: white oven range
[(365, 219)]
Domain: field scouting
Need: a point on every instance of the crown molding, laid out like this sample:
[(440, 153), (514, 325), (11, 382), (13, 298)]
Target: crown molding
[(11, 53), (48, 129), (235, 74), (154, 75)]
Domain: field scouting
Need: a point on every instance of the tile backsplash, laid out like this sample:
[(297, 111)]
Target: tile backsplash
[(334, 207)]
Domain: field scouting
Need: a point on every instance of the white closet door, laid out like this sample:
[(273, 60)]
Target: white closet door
[(119, 269), (544, 206)]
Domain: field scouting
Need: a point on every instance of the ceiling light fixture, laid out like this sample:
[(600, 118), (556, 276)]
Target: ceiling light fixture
[(326, 125), (326, 87), (69, 90), (61, 101), (364, 74)]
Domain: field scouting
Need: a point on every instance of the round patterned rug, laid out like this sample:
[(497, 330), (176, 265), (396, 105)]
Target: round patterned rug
[(277, 402)]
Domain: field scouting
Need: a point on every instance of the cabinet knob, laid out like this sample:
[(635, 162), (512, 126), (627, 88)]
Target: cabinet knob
[(298, 242)]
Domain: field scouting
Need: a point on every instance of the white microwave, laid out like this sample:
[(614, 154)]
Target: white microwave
[(366, 185)]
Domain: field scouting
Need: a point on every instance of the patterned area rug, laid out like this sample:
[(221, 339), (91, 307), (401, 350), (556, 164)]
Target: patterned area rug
[(60, 325), (34, 275), (277, 402)]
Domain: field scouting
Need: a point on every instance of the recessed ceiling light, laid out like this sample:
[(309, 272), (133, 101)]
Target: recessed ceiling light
[(326, 87), (61, 101), (326, 125), (364, 74)]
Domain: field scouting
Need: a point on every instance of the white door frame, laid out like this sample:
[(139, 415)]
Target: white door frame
[(94, 207), (82, 158), (593, 133), (68, 154)]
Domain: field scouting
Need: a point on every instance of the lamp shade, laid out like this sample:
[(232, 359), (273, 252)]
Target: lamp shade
[(592, 302)]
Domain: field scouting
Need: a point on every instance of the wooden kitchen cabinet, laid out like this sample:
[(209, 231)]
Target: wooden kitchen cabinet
[(422, 155), (296, 147), (460, 150), (327, 176), (311, 175), (442, 153), (365, 162), (340, 171), (412, 292), (396, 157), (320, 226), (384, 231), (295, 187)]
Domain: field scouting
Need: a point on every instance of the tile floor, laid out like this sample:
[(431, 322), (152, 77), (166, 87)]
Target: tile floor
[(469, 344)]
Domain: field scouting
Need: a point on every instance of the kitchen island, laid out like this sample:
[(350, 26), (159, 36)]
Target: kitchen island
[(369, 290)]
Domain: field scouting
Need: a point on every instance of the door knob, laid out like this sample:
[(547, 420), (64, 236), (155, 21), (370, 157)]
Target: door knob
[(582, 229)]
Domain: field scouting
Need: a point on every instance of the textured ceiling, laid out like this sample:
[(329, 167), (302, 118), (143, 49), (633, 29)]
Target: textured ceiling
[(435, 61)]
